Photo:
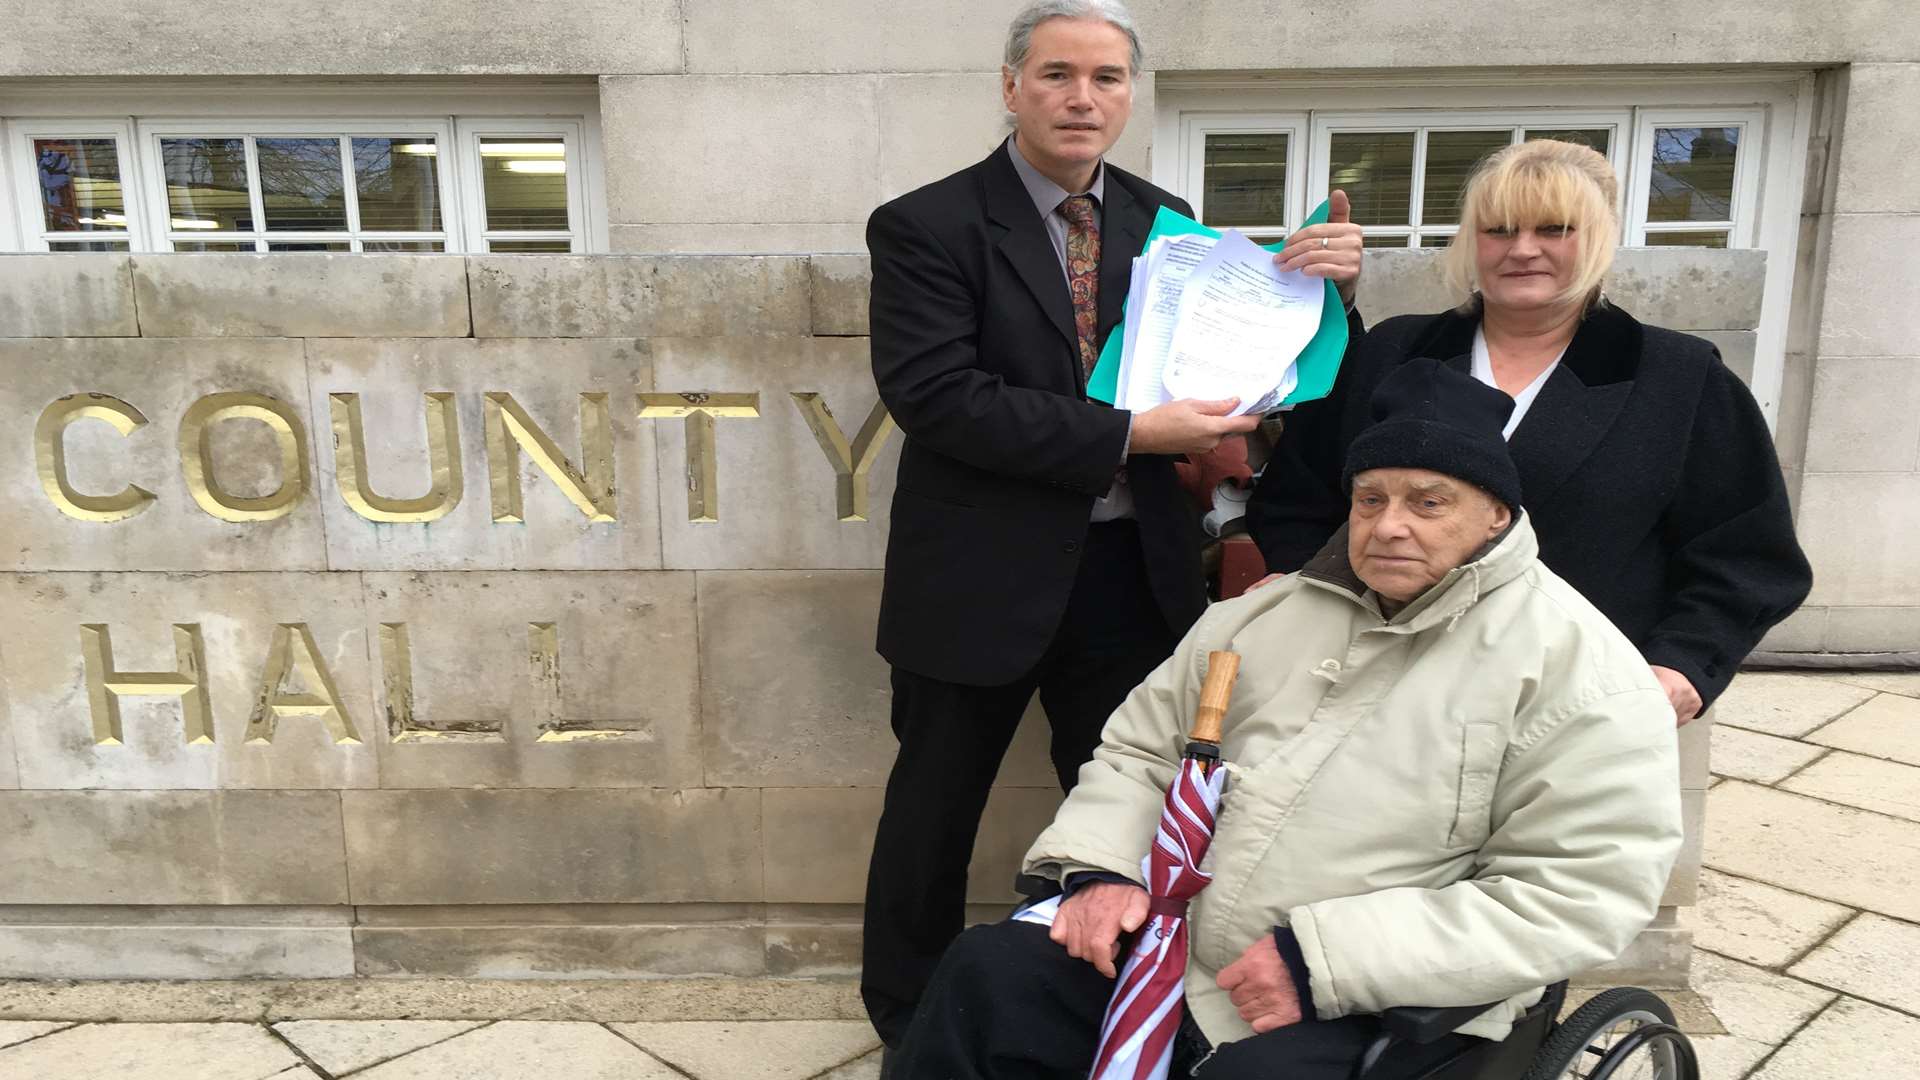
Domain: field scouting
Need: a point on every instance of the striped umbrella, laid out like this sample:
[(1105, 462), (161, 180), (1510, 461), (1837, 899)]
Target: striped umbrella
[(1136, 1036)]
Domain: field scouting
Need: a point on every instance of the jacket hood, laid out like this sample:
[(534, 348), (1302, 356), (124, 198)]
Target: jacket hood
[(1503, 559)]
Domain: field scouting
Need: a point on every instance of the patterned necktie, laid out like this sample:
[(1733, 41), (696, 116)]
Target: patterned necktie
[(1083, 276)]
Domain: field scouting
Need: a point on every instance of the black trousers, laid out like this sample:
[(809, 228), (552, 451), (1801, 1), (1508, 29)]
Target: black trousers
[(1008, 1004), (952, 738)]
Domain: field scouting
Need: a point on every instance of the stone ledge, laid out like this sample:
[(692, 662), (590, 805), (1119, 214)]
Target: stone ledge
[(68, 295), (638, 295), (310, 295)]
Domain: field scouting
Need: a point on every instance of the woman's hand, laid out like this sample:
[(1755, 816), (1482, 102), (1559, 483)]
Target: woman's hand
[(1338, 259), (1680, 693)]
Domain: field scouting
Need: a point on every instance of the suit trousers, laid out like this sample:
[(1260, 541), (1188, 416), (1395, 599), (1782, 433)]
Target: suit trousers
[(952, 738), (1008, 1004)]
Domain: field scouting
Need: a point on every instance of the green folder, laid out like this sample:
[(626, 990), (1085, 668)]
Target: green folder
[(1317, 364)]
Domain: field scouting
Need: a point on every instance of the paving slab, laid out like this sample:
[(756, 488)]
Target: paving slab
[(518, 1049), (1886, 727), (1754, 1003), (19, 1031), (1762, 759), (1758, 923), (1728, 1057), (1887, 682), (150, 1052), (1851, 1041), (766, 1050), (1871, 958), (1789, 705), (1885, 787), (867, 1068), (341, 1046), (1837, 853)]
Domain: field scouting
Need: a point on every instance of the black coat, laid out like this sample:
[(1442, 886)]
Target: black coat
[(1644, 463), (975, 355)]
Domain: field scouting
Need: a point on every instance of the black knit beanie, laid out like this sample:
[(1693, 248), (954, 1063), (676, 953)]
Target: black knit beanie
[(1427, 415)]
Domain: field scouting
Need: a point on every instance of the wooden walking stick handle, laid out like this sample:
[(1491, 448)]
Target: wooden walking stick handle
[(1215, 695)]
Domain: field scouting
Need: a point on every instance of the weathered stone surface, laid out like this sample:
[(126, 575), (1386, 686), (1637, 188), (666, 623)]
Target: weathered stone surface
[(515, 1049), (1872, 958), (1882, 134), (665, 165), (1884, 787), (1803, 631), (160, 379), (932, 125), (341, 1046), (1736, 349), (866, 1068), (1864, 418), (9, 770), (920, 38), (1850, 1040), (754, 1050), (171, 847), (722, 238), (1886, 727), (139, 1051), (1787, 705), (13, 1032), (777, 492), (239, 617), (1657, 957), (546, 377), (316, 295), (1904, 683), (80, 294), (1696, 745), (627, 664), (1870, 283), (1752, 1003), (1683, 884), (541, 952), (841, 285), (176, 952), (1690, 288), (550, 846), (815, 948), (1872, 629), (1757, 923), (1727, 1055), (1763, 759), (1848, 856), (637, 296)]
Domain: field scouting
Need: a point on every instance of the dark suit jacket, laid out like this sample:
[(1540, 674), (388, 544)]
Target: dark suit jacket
[(1644, 463), (975, 355)]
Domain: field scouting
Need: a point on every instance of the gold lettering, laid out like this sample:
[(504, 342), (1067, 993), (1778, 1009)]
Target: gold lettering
[(543, 659), (275, 701), (50, 454), (196, 456), (354, 474), (509, 426), (106, 683), (851, 461), (700, 409), (396, 660)]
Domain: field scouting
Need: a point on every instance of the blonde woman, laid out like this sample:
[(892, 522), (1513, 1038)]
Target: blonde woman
[(1645, 465)]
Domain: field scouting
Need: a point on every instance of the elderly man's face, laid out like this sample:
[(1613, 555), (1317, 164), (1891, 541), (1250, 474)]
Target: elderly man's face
[(1073, 96), (1407, 528)]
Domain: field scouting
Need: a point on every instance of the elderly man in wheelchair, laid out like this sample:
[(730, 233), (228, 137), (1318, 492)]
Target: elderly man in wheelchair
[(1453, 785)]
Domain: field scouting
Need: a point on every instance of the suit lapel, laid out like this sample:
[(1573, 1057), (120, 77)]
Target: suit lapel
[(1027, 246), (1578, 405), (1122, 232)]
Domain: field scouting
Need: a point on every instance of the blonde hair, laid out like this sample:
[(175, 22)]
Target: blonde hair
[(1542, 182)]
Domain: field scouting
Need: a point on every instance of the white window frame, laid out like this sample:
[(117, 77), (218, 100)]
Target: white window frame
[(29, 216), (1741, 229), (471, 130), (1195, 127)]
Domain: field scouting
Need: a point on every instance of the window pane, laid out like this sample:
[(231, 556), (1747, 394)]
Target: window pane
[(1431, 242), (311, 245), (1598, 138), (1246, 180), (205, 246), (404, 246), (529, 247), (1376, 170), (87, 245), (1713, 239), (526, 183), (1692, 178), (80, 184), (1451, 156), (207, 184), (301, 185), (398, 183)]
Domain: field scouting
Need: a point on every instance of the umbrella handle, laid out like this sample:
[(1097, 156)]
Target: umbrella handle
[(1215, 695)]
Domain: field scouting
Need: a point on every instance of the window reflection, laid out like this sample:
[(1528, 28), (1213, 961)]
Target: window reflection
[(1451, 158), (1692, 177), (207, 184), (1245, 180), (1376, 170), (80, 184), (398, 184), (525, 180), (302, 186)]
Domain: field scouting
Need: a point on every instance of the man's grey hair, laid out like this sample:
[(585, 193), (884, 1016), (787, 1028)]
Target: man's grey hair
[(1112, 12)]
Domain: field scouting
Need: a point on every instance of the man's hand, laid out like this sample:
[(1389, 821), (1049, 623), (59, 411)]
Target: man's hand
[(1680, 693), (1261, 987), (1339, 258), (1090, 922), (1187, 426)]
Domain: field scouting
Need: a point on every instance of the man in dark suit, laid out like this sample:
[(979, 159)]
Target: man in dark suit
[(1040, 541)]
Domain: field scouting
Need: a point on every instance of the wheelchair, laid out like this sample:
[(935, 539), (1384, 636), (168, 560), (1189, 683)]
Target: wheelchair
[(1625, 1033)]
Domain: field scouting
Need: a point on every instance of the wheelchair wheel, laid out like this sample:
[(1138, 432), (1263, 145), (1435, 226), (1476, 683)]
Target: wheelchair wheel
[(1622, 1034)]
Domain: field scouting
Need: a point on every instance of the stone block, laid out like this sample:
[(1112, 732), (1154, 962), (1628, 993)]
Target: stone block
[(1736, 349), (1864, 415), (668, 162), (1860, 530), (1850, 1040), (724, 1050), (80, 294), (1759, 924), (575, 952), (1784, 704), (121, 1051), (892, 37), (1873, 629), (9, 769), (1396, 282), (514, 1049), (1696, 739), (242, 637), (1834, 853), (1695, 288), (841, 286), (1886, 727), (777, 493), (1761, 759), (932, 125), (1885, 787), (343, 1046), (14, 1032), (1871, 281), (1683, 885), (637, 296), (553, 846), (616, 710), (1872, 958), (546, 377), (171, 847), (1656, 958), (316, 295), (814, 950), (1752, 1003), (723, 238), (1880, 139), (151, 385), (1803, 631), (176, 952)]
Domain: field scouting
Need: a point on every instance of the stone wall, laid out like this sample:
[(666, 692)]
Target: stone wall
[(293, 684)]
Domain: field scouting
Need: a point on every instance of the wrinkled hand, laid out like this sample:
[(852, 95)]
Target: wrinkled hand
[(1680, 693), (1261, 987), (1090, 922), (1339, 259), (1187, 426)]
